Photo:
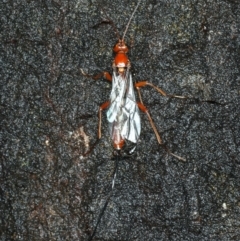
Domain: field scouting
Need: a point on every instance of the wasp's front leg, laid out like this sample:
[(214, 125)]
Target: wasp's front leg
[(162, 92), (140, 84), (105, 75)]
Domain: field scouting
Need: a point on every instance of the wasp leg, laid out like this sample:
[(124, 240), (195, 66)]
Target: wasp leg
[(106, 75), (143, 108), (162, 92), (102, 107)]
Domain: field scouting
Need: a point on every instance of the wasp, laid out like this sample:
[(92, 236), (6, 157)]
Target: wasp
[(122, 108)]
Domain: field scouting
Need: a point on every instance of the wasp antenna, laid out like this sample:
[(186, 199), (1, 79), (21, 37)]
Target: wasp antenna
[(115, 30), (112, 23), (130, 19)]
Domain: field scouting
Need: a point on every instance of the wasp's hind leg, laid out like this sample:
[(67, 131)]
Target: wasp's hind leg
[(142, 107)]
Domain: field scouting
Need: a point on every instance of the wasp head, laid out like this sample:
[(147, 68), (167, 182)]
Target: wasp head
[(120, 46)]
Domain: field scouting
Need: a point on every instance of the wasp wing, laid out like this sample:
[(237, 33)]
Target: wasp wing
[(116, 97), (123, 113), (132, 124)]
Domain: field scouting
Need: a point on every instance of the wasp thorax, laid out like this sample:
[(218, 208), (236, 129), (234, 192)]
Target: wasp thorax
[(121, 60), (121, 70)]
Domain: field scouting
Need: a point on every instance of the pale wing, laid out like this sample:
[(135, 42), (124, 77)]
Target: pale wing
[(116, 97), (123, 113), (131, 123)]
